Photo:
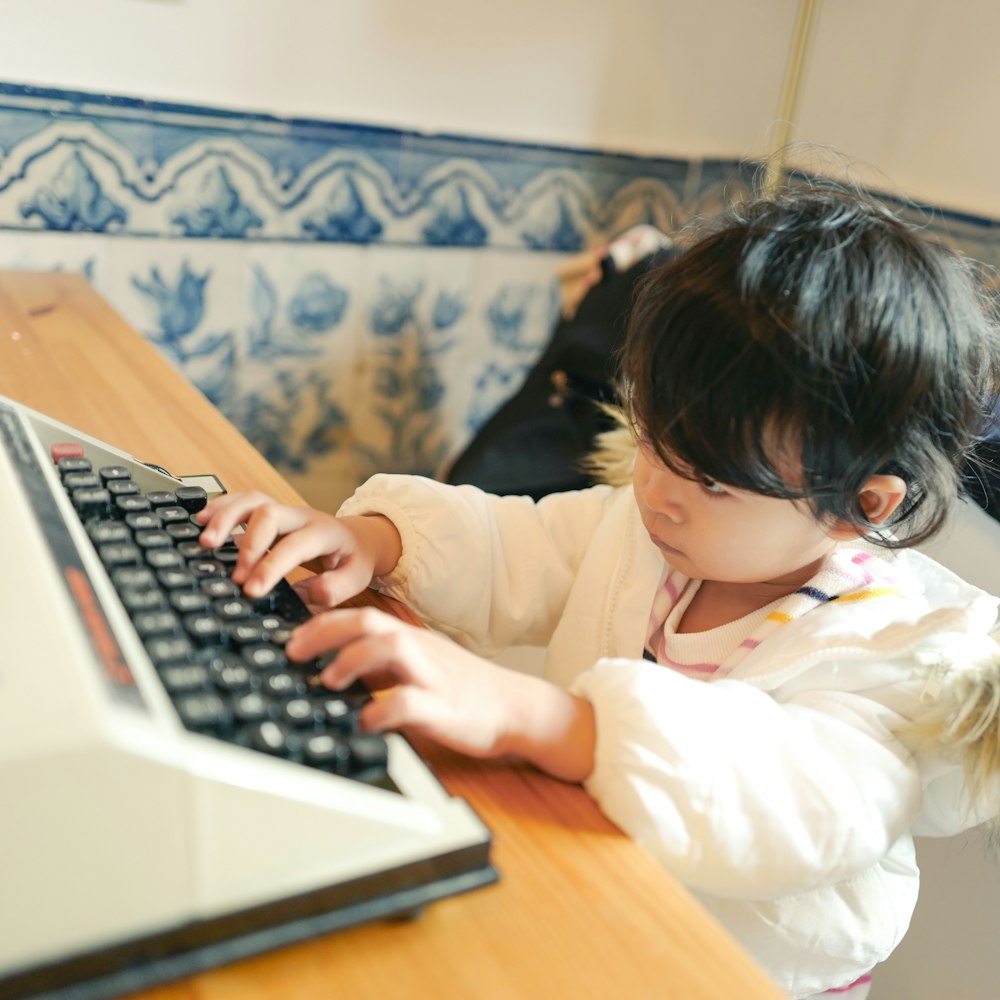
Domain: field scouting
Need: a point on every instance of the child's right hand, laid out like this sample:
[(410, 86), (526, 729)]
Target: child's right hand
[(278, 537)]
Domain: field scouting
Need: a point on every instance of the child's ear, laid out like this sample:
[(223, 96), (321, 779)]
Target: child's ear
[(880, 496)]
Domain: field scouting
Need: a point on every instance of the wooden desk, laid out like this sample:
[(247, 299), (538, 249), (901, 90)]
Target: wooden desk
[(580, 909)]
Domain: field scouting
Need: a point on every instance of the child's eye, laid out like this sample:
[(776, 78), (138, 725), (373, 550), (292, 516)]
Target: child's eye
[(711, 486)]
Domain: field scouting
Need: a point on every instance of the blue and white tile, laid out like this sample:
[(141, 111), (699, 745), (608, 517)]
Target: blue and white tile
[(514, 307), (417, 317), (300, 348), (77, 253), (186, 297), (66, 185)]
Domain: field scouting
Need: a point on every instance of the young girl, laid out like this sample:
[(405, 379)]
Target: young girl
[(747, 666)]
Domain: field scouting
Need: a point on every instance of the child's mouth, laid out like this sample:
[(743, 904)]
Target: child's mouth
[(663, 547)]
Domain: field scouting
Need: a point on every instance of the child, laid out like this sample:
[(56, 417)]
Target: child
[(747, 666)]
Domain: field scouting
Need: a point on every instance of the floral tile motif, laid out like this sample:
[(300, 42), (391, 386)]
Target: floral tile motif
[(299, 349), (79, 162), (184, 297), (355, 299), (417, 319), (516, 306)]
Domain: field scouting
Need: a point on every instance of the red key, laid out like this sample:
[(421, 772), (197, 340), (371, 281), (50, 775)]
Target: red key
[(66, 449)]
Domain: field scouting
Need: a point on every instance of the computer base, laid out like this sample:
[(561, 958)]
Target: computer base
[(184, 951)]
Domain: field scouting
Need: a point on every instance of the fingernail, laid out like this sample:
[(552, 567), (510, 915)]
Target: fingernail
[(329, 678)]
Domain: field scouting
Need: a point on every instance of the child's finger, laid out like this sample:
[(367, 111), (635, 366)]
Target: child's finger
[(223, 514), (268, 522), (404, 707), (367, 641), (332, 586), (268, 563)]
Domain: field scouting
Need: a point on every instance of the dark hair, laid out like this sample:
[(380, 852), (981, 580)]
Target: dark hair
[(819, 323)]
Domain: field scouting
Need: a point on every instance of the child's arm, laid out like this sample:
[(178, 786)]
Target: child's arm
[(278, 537), (449, 694), (489, 571)]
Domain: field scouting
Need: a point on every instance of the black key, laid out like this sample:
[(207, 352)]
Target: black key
[(108, 532), (299, 712), (185, 600), (274, 738), (143, 520), (130, 503), (153, 538), (109, 472), (191, 549), (217, 587), (203, 628), (369, 754), (169, 648), (232, 609), (81, 481), (246, 633), (205, 567), (175, 578), (263, 656), (227, 554), (137, 599), (184, 678), (164, 559), (90, 503), (280, 636), (338, 715), (282, 685), (173, 514), (182, 531), (136, 577), (122, 487), (161, 498), (331, 753), (232, 677), (120, 554), (71, 465), (191, 498), (156, 623), (205, 711), (251, 707)]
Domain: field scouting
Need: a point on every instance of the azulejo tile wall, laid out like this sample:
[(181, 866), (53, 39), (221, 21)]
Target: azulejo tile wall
[(355, 299)]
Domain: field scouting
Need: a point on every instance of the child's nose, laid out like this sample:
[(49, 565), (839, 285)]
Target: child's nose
[(662, 494)]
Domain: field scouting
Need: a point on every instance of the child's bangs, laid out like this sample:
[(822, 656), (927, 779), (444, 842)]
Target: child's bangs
[(709, 399)]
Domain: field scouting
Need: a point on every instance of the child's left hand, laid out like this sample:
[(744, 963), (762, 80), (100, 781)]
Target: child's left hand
[(443, 691)]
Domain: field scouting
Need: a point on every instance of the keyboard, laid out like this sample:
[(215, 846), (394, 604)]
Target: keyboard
[(177, 793), (220, 657)]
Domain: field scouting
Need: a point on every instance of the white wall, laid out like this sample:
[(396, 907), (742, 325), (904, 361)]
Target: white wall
[(910, 86), (569, 72), (904, 85)]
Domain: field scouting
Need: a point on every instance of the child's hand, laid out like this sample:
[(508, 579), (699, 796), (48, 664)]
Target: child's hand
[(448, 694), (279, 537)]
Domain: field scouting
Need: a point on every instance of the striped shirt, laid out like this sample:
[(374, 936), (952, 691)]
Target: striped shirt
[(717, 651)]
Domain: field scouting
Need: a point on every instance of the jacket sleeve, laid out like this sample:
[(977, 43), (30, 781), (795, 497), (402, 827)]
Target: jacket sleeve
[(741, 795), (488, 571)]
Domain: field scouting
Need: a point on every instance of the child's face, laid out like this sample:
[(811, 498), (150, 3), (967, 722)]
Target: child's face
[(710, 532)]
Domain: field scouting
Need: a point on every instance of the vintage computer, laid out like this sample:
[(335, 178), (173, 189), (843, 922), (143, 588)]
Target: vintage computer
[(175, 793)]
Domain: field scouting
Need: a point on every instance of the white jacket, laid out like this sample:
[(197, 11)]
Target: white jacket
[(779, 794)]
